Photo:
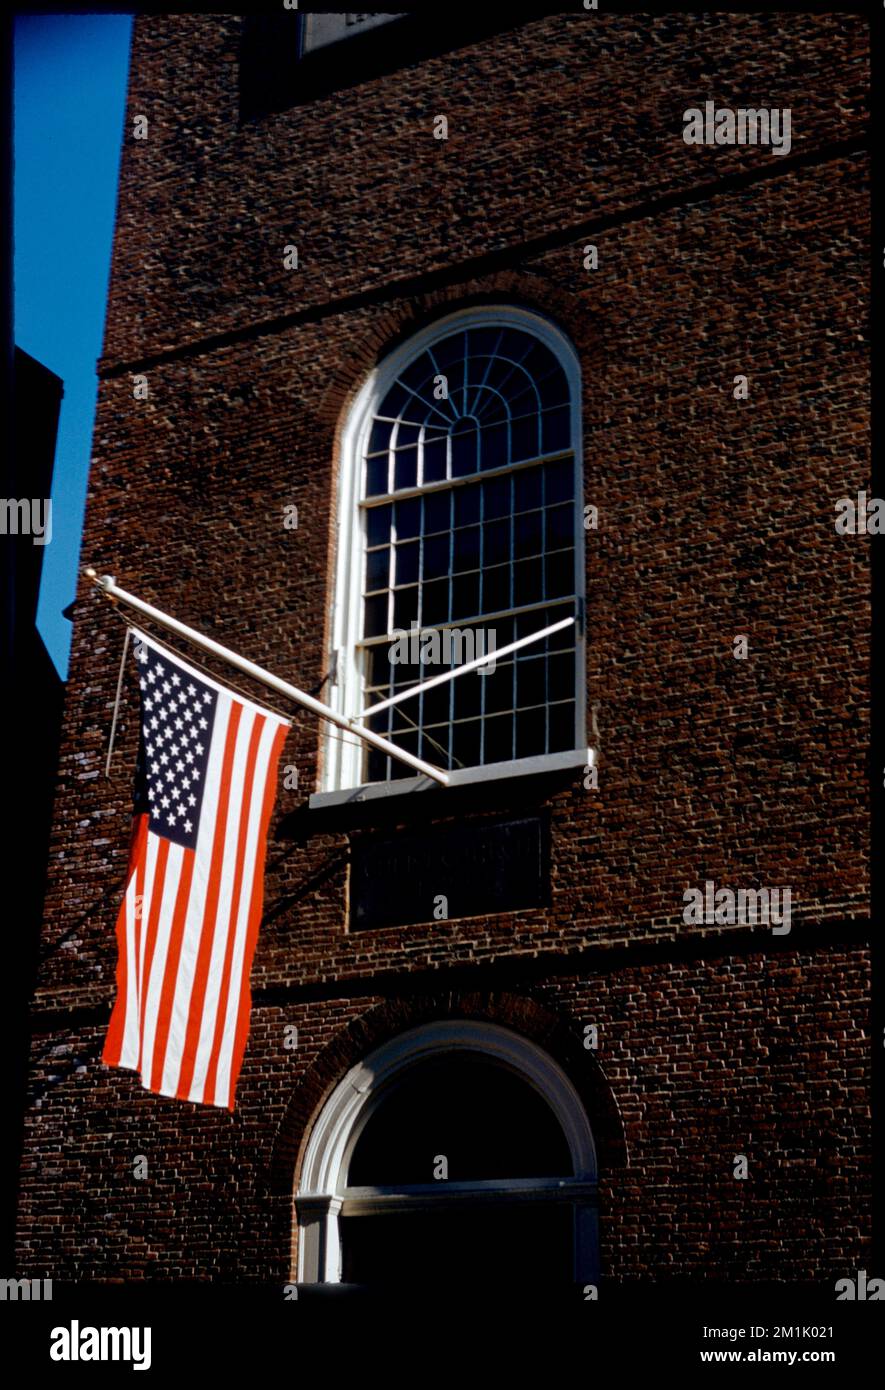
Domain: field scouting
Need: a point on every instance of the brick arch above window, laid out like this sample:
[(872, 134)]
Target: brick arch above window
[(390, 327), (559, 1036)]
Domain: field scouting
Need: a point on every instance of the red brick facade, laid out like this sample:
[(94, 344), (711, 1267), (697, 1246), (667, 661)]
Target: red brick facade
[(715, 519)]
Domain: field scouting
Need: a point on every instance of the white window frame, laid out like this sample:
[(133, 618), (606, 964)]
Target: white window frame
[(342, 756), (323, 1196)]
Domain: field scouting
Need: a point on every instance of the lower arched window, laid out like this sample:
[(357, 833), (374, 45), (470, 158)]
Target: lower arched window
[(456, 1152)]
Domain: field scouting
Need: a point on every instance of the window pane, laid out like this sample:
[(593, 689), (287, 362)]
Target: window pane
[(556, 430), (561, 676), (394, 401), (529, 534), (375, 619), (465, 450), (379, 723), (497, 738), (496, 589), (417, 375), (379, 669), (405, 606), (493, 447), (435, 452), (488, 1122), (524, 438), (482, 342), (434, 745), (407, 673), (495, 498), (376, 766), (527, 489), (405, 468), (406, 435), (466, 505), (378, 568), (408, 518), (496, 542), (526, 582), (406, 566), (466, 741), (531, 733), (531, 680), (409, 743), (436, 556), (544, 617), (560, 526), (465, 549), (559, 481), (376, 476), (524, 402), (553, 389), (450, 351), (437, 511), (562, 727), (560, 573), (453, 1248), (435, 602), (380, 437), (537, 359), (465, 596), (498, 689), (468, 695), (378, 524), (435, 703)]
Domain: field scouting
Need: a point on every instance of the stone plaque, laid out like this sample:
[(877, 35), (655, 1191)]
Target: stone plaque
[(321, 30), (447, 872)]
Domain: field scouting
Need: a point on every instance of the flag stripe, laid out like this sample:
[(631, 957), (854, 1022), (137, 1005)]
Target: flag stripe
[(184, 987), (255, 905), (224, 992), (242, 957), (207, 921), (224, 924), (170, 973), (124, 1015), (142, 916), (156, 884), (160, 947)]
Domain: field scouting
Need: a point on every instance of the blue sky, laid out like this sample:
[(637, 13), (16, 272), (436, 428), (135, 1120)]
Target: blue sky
[(70, 88)]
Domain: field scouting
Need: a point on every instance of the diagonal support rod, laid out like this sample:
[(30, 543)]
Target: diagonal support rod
[(109, 587), (467, 666)]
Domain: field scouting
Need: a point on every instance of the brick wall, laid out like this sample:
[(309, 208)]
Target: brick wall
[(698, 1060)]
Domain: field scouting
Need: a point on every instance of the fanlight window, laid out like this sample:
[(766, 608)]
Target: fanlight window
[(454, 1150)]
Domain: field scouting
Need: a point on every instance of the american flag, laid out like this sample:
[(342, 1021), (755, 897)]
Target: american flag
[(187, 927)]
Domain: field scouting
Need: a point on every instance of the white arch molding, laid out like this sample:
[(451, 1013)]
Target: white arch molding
[(323, 1193), (341, 758)]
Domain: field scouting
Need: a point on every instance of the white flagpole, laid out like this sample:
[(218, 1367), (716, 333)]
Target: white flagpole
[(110, 588), (467, 666)]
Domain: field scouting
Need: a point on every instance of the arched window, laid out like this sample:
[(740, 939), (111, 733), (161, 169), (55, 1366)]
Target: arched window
[(456, 1149), (460, 530)]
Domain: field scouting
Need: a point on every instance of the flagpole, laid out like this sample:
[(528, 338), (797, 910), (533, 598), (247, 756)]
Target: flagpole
[(109, 587)]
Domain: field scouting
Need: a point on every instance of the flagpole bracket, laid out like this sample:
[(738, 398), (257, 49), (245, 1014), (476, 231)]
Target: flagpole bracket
[(106, 582)]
